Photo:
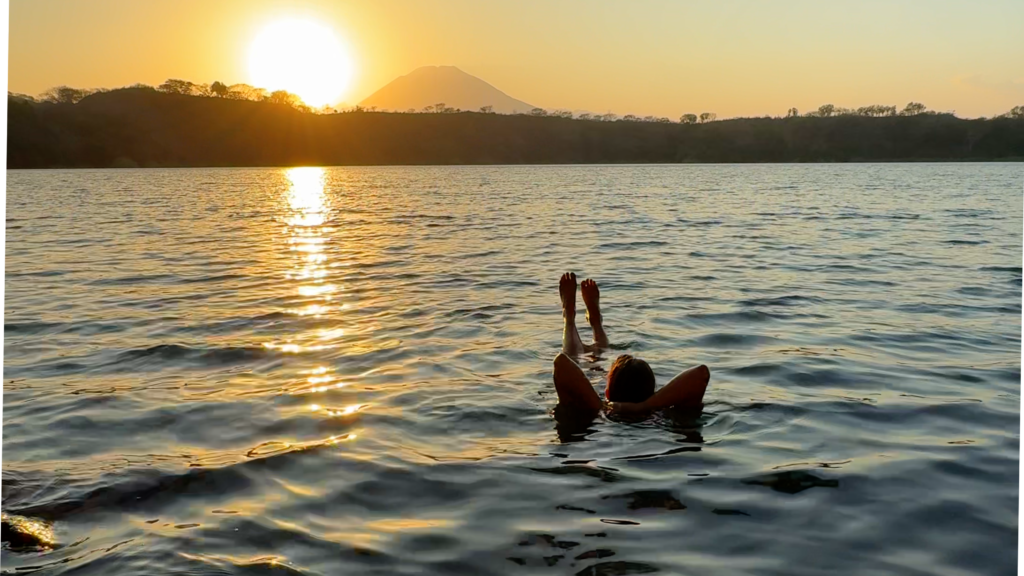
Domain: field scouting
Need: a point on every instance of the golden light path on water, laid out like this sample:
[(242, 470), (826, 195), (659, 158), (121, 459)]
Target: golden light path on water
[(308, 235)]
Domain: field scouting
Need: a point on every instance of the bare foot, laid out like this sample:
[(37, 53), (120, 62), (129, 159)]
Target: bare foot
[(567, 291), (592, 298)]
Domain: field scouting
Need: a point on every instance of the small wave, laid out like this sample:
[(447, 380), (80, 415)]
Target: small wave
[(39, 274), (974, 290), (631, 245), (32, 327), (967, 242), (620, 569), (743, 316), (203, 356), (479, 313), (958, 310), (792, 481), (140, 279), (147, 487), (968, 212), (81, 328), (484, 254), (726, 340), (789, 300), (207, 279), (1008, 269), (758, 370)]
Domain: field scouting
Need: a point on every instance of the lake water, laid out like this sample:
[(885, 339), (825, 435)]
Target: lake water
[(348, 370)]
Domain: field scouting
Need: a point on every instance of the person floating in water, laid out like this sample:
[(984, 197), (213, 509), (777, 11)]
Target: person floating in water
[(630, 387)]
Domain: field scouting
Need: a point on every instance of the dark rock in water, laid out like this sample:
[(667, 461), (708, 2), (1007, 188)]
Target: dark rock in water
[(21, 533), (792, 482)]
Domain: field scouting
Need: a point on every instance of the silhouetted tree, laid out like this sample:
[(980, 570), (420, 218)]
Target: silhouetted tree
[(585, 116), (629, 118), (219, 89), (176, 86), (562, 114), (609, 117), (1016, 112), (246, 92), (487, 109), (19, 97), (707, 117), (688, 119), (538, 112), (64, 95), (877, 110), (826, 110), (913, 109), (288, 99), (793, 113)]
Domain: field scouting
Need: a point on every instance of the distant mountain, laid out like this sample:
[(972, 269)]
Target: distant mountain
[(431, 85)]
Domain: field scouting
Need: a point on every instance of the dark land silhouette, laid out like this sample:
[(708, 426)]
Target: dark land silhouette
[(141, 126), (427, 86)]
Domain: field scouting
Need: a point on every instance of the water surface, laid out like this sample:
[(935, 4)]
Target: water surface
[(347, 370)]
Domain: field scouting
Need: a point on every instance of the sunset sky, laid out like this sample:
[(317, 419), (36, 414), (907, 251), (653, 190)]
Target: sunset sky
[(735, 58)]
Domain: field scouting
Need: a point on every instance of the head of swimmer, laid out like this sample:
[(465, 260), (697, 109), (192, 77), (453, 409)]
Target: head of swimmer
[(629, 380)]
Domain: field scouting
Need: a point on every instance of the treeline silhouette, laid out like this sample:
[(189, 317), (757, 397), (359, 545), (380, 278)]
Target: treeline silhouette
[(185, 124)]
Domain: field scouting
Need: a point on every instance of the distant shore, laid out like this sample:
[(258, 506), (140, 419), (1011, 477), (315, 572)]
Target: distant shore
[(137, 127)]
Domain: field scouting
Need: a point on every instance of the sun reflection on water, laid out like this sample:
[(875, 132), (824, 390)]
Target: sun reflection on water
[(309, 239), (309, 210)]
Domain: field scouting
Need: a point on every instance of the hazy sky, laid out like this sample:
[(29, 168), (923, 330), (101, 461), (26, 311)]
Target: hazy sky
[(734, 58)]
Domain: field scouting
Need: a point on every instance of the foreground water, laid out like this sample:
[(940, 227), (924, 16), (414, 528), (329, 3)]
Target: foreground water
[(347, 370)]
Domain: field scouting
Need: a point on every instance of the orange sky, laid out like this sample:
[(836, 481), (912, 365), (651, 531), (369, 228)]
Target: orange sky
[(642, 57)]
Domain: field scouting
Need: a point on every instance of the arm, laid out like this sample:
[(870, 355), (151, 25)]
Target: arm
[(573, 387), (686, 390)]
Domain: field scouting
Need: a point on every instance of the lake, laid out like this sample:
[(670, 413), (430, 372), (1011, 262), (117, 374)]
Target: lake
[(348, 370)]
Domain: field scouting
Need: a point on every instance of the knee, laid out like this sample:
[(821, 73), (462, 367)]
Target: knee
[(704, 372)]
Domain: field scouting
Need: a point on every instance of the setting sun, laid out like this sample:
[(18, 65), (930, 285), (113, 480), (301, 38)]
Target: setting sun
[(302, 57)]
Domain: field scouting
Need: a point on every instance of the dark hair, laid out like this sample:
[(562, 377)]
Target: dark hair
[(629, 380)]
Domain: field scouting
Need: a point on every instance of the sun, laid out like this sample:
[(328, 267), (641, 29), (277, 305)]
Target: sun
[(302, 57)]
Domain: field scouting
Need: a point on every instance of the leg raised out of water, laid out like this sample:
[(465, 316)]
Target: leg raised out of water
[(571, 343), (592, 298)]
